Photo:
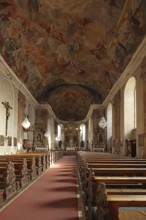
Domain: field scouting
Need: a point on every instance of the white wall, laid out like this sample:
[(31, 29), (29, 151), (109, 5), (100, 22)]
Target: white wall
[(9, 88), (8, 94)]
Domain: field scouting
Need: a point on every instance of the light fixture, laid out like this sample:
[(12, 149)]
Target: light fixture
[(102, 123), (26, 123)]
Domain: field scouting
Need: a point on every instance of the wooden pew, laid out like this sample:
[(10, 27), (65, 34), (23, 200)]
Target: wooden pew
[(122, 161), (119, 171), (106, 164), (21, 171), (39, 161), (7, 179), (108, 203), (113, 162), (116, 171), (42, 160), (112, 178), (118, 163), (116, 201), (31, 164), (45, 158), (1, 196), (122, 181)]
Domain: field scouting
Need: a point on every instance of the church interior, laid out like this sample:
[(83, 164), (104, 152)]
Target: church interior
[(73, 85)]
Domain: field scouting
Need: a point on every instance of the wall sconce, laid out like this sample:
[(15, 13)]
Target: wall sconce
[(26, 123)]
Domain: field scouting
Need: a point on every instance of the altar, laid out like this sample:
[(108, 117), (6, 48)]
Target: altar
[(70, 148)]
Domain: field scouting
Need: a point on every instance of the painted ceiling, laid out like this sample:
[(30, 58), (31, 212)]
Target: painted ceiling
[(69, 54)]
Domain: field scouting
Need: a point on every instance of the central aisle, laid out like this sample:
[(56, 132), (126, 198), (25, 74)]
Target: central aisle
[(52, 197)]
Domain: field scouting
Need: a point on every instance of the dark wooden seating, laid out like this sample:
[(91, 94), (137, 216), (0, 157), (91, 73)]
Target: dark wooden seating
[(116, 201), (1, 195), (111, 171), (18, 170), (7, 179), (31, 164), (21, 171), (108, 201), (121, 177)]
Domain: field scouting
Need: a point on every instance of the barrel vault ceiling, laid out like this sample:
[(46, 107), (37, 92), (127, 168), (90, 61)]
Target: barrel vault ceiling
[(70, 53)]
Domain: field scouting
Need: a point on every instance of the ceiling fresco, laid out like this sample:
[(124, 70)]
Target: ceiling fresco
[(69, 54)]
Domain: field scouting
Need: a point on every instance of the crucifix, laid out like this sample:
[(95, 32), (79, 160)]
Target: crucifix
[(7, 107)]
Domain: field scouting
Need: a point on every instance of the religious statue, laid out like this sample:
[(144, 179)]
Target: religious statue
[(7, 107)]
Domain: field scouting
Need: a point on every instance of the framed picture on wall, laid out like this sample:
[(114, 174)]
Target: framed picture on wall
[(1, 140), (141, 140), (9, 141)]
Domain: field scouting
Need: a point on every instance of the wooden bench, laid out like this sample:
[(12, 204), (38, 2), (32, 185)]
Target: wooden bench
[(116, 171), (116, 166), (45, 159), (7, 179), (120, 185), (1, 196), (31, 164), (93, 179), (42, 160), (39, 161), (21, 170), (104, 198), (122, 161), (122, 181), (116, 201)]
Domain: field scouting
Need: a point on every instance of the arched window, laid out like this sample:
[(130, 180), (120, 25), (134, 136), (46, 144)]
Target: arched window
[(82, 132), (82, 136), (59, 138), (109, 126), (130, 107)]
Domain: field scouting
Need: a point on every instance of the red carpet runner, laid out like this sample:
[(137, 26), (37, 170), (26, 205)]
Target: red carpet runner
[(52, 197)]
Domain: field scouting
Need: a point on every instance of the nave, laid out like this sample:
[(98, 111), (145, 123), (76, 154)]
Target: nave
[(53, 196)]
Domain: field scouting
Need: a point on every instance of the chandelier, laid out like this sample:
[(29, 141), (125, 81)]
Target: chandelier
[(26, 123), (102, 123)]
